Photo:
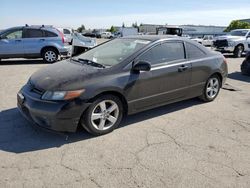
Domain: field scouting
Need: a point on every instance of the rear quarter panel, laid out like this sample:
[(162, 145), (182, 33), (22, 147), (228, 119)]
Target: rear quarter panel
[(203, 68)]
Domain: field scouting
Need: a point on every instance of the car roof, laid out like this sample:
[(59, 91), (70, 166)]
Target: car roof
[(154, 38)]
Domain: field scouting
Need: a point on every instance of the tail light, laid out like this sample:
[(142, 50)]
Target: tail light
[(62, 36)]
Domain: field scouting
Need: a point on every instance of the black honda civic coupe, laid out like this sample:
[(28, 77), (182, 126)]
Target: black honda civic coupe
[(123, 76)]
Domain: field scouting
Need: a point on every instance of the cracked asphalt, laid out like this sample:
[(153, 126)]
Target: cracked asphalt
[(186, 144)]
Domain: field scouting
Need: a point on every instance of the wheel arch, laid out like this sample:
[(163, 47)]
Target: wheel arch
[(240, 44), (115, 93), (46, 47), (219, 75)]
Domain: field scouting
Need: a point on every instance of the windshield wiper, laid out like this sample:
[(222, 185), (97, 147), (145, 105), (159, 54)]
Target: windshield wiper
[(89, 62)]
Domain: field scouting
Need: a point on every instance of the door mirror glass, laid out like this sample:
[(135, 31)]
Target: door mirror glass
[(142, 66)]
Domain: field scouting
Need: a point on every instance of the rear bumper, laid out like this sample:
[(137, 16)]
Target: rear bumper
[(65, 51), (62, 116)]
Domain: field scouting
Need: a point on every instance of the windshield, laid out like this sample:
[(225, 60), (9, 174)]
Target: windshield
[(239, 33), (114, 51)]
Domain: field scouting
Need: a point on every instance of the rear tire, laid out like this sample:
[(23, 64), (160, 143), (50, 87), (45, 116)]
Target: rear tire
[(103, 115), (50, 55), (211, 89), (238, 51)]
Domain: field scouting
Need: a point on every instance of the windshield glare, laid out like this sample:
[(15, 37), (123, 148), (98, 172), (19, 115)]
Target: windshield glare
[(239, 33), (114, 51)]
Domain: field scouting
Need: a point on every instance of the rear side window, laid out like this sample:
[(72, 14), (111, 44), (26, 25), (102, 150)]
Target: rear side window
[(66, 31), (34, 33), (165, 52), (194, 52), (50, 34)]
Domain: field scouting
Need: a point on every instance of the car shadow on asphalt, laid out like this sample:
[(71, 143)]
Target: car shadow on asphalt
[(22, 62), (17, 135), (239, 76)]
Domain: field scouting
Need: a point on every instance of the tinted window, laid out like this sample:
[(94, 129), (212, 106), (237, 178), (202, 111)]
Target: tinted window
[(66, 31), (194, 52), (34, 33), (165, 52), (13, 34), (50, 34)]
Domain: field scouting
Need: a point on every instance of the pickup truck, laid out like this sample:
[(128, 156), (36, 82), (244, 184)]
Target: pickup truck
[(207, 40), (236, 42)]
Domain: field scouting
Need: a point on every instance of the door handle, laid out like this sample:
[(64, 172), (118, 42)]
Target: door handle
[(182, 68), (42, 39), (18, 40)]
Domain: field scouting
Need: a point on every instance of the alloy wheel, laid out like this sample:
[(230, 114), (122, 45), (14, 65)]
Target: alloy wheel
[(50, 56), (105, 115), (212, 88)]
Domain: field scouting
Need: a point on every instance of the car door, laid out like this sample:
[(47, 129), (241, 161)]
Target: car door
[(11, 43), (33, 41), (168, 79), (200, 68)]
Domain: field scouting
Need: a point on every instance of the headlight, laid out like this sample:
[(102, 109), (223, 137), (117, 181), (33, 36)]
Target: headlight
[(230, 43), (61, 95)]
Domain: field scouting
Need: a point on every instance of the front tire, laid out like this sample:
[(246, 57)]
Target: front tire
[(49, 55), (103, 115), (211, 89), (238, 51)]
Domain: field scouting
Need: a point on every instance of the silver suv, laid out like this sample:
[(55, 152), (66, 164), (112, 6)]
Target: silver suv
[(33, 42)]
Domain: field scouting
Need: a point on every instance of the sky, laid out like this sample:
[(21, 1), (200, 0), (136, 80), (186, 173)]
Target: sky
[(103, 14)]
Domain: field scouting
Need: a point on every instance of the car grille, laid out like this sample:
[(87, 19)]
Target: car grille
[(221, 43)]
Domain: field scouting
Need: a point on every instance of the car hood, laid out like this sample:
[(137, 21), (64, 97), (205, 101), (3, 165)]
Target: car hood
[(230, 38), (63, 76)]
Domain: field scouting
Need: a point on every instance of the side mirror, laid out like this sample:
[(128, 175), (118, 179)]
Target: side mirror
[(141, 66)]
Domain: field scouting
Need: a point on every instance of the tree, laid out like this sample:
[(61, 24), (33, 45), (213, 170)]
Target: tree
[(112, 29), (123, 24), (135, 25), (81, 29), (236, 24)]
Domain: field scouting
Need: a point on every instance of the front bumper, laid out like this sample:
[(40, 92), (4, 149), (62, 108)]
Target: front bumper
[(223, 49), (61, 116)]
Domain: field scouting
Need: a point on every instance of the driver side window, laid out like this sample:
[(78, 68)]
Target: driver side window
[(16, 34)]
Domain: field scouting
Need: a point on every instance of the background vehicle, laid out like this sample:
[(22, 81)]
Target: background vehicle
[(67, 32), (122, 76), (81, 44), (33, 42), (92, 35), (126, 31), (237, 42), (245, 66), (106, 35), (207, 40), (169, 30)]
